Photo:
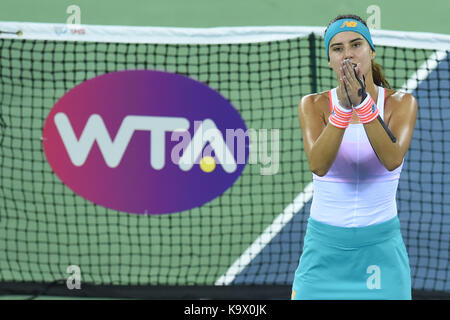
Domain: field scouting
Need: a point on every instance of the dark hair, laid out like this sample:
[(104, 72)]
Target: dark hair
[(377, 70)]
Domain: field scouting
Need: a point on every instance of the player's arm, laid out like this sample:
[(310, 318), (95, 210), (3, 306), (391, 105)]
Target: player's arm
[(391, 140), (321, 141), (401, 124)]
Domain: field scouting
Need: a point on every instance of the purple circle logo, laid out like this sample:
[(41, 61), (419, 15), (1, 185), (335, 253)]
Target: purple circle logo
[(147, 142)]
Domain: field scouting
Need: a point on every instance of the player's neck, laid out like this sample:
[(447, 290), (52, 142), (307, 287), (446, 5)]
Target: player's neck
[(372, 89)]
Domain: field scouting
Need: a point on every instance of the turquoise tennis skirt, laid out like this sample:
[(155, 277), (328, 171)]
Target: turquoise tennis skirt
[(364, 263)]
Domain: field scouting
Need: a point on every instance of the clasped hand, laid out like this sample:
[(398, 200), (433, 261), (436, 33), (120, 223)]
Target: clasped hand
[(351, 90)]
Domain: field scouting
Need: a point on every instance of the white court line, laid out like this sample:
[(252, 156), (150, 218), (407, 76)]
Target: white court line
[(424, 71), (267, 236), (285, 217)]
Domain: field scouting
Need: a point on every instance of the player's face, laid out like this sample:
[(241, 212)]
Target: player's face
[(353, 46)]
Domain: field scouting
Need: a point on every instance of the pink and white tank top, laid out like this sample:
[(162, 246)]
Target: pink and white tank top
[(357, 190)]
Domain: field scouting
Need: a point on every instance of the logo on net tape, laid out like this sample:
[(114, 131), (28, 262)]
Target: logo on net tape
[(143, 141), (69, 29)]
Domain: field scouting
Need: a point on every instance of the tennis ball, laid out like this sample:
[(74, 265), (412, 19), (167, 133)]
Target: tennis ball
[(207, 164)]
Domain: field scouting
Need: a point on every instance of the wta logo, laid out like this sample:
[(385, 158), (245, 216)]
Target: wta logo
[(147, 142)]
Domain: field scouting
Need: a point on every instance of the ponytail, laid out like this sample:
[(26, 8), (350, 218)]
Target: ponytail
[(378, 76)]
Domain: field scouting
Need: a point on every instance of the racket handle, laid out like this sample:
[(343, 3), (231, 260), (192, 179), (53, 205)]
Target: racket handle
[(390, 134)]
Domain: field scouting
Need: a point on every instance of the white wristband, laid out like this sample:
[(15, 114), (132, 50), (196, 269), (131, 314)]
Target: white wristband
[(367, 111), (340, 117)]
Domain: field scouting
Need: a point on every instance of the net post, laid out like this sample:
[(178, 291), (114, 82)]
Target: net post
[(312, 61)]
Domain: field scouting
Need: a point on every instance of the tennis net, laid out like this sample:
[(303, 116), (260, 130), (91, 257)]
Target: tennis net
[(251, 235)]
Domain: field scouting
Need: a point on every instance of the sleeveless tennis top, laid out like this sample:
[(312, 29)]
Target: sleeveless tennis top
[(357, 190)]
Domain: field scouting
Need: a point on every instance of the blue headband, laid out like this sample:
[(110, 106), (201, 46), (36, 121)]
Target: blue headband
[(347, 25)]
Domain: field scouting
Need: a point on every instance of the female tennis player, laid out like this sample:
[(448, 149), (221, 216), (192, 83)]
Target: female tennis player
[(355, 138)]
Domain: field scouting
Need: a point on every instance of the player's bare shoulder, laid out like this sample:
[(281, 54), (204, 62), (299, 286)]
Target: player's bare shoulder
[(317, 103), (399, 97), (400, 103)]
